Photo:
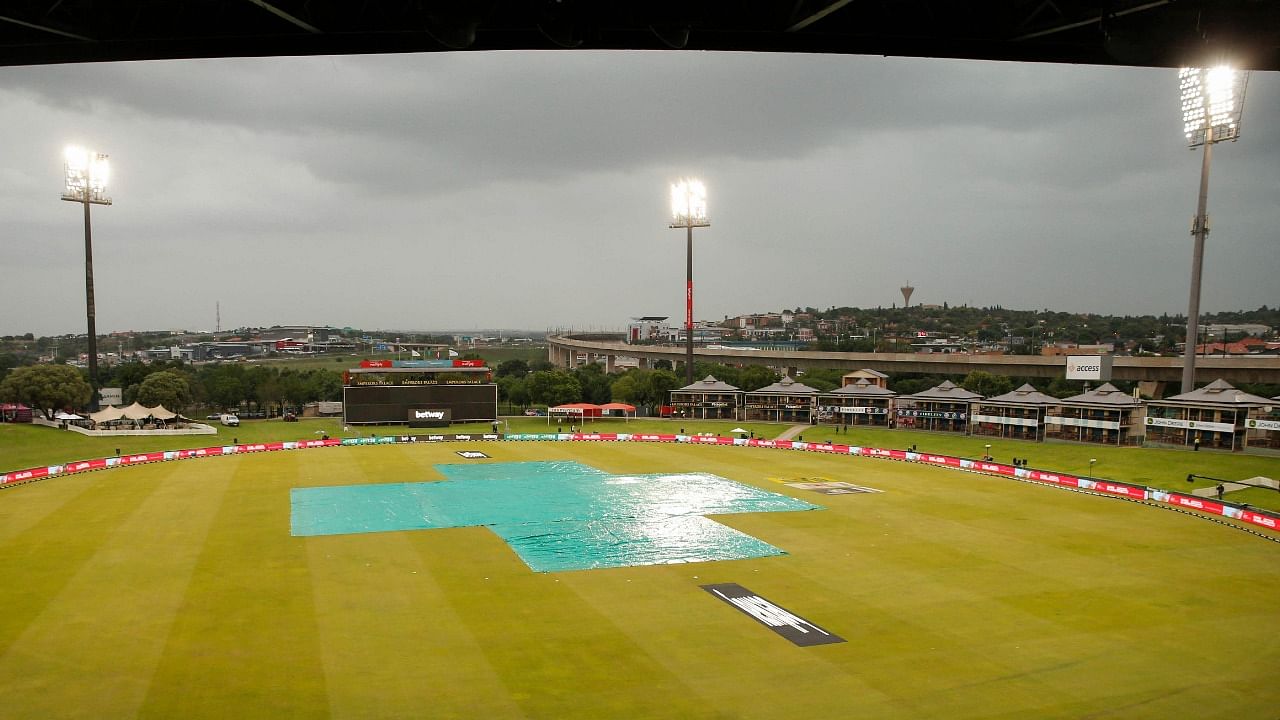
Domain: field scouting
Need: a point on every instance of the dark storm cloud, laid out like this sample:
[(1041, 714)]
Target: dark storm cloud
[(476, 117), (333, 190)]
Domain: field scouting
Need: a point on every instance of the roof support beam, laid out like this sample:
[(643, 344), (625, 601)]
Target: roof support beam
[(1092, 21), (815, 17), (285, 16), (45, 28)]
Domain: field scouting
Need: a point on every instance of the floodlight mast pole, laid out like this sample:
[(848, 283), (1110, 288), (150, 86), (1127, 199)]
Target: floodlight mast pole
[(85, 174), (688, 211), (1212, 99), (688, 308), (90, 309), (1199, 228)]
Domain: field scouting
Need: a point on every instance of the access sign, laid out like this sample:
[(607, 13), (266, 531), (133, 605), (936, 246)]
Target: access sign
[(1089, 367)]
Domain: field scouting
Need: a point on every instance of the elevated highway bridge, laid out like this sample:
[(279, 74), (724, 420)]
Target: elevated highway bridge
[(563, 351)]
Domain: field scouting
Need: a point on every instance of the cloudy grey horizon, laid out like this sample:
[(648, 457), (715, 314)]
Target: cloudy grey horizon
[(528, 190)]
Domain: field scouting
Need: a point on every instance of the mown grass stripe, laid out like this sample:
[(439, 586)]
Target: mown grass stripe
[(45, 557), (245, 642), (69, 661)]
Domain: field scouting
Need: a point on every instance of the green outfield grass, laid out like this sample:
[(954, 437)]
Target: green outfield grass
[(175, 590), (26, 446)]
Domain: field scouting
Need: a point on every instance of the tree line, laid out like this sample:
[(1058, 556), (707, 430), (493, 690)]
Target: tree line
[(178, 386)]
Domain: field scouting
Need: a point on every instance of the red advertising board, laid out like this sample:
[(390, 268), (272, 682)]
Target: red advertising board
[(200, 452), (710, 440), (141, 458), (1047, 477), (1266, 521), (1195, 503), (85, 465), (881, 452), (22, 475), (468, 363), (1132, 491), (375, 363), (946, 460), (654, 438)]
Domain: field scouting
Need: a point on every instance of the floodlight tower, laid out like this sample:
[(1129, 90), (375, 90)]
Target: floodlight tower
[(1212, 102), (86, 182), (689, 210)]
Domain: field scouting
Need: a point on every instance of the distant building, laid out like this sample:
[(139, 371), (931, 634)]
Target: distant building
[(227, 350), (862, 403), (707, 399), (783, 401), (1073, 349), (1019, 414), (1105, 415), (874, 377), (650, 328), (1225, 329), (1217, 416), (943, 408), (938, 346)]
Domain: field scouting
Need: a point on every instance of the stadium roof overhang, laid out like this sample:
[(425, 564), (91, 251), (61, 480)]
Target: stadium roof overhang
[(1154, 33)]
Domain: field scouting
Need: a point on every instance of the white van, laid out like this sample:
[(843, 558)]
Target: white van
[(230, 420)]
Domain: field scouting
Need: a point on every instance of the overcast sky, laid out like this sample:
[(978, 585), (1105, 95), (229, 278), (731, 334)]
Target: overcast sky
[(530, 189)]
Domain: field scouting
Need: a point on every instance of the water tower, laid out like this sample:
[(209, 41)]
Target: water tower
[(906, 294)]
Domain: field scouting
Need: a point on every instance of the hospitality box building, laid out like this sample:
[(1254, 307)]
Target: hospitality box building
[(1019, 414), (1215, 416), (1105, 415), (783, 401), (944, 408), (859, 404), (707, 399)]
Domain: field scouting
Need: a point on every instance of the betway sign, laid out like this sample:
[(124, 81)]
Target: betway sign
[(429, 417)]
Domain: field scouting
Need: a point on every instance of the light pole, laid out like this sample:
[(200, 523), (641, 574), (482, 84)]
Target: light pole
[(86, 175), (689, 210), (1212, 102)]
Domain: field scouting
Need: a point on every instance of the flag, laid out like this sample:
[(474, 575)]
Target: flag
[(415, 353), (453, 353)]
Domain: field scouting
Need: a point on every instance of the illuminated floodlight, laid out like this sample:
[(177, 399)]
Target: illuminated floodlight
[(688, 211), (689, 204), (86, 175), (1212, 103)]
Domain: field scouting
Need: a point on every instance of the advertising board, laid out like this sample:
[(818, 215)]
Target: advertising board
[(1089, 367), (391, 404), (429, 417)]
